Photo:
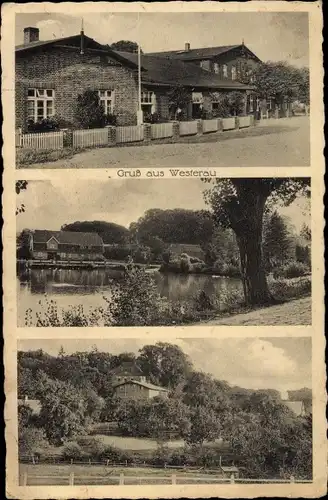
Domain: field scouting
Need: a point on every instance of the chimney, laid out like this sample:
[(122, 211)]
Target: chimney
[(31, 35), (187, 47)]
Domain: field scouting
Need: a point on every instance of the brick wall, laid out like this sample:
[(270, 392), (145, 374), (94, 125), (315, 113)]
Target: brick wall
[(69, 73)]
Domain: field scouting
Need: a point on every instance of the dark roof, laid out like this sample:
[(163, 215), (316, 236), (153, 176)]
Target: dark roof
[(165, 71), (68, 237), (127, 367), (201, 53), (142, 384), (75, 42)]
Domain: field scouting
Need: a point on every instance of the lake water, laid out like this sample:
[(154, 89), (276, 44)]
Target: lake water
[(87, 287)]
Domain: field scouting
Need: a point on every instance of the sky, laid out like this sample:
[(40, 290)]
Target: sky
[(50, 204), (271, 36), (281, 363)]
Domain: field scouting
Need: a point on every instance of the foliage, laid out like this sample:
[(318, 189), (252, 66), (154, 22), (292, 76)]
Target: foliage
[(280, 79), (174, 226), (31, 440), (179, 97), (135, 300), (124, 46), (44, 125), (228, 104), (285, 289), (292, 269), (25, 156), (240, 204), (110, 232), (72, 450), (165, 364), (88, 112), (277, 243)]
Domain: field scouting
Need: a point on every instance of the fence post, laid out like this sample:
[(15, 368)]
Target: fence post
[(292, 479), (121, 478), (71, 479), (175, 130), (67, 138), (147, 132), (237, 122), (220, 125), (174, 479), (25, 479), (232, 479), (200, 127), (111, 134), (252, 120)]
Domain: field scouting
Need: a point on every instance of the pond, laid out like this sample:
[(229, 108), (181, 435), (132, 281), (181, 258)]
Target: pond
[(79, 286)]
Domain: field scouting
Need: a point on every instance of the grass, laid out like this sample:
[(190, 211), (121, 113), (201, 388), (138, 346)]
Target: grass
[(25, 156), (135, 444)]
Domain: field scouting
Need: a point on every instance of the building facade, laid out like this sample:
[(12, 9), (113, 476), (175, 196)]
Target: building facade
[(66, 245), (131, 383), (50, 75)]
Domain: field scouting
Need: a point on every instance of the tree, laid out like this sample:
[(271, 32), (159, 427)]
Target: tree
[(204, 426), (240, 204), (167, 417), (165, 364), (88, 111), (281, 80), (31, 441), (110, 232), (179, 98), (277, 243), (63, 411), (125, 46)]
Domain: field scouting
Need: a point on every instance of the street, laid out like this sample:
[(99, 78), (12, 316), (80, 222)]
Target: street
[(284, 142)]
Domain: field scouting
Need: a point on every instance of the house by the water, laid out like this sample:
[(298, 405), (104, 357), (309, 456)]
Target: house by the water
[(51, 74), (65, 245)]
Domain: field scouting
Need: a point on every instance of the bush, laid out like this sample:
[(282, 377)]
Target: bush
[(284, 289), (45, 125), (111, 119), (229, 269), (92, 447), (151, 118), (88, 112), (73, 450), (292, 269)]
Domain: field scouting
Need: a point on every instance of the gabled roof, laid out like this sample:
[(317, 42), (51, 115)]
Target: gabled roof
[(167, 71), (201, 53), (127, 367), (67, 237), (142, 384), (74, 41)]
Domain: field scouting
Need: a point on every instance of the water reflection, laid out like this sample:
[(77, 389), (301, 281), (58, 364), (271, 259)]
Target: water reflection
[(66, 286)]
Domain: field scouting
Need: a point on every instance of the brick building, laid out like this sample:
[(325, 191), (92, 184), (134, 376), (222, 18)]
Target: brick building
[(65, 245), (51, 74)]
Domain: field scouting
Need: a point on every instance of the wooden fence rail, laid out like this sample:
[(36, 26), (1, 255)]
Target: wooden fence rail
[(72, 479), (92, 137)]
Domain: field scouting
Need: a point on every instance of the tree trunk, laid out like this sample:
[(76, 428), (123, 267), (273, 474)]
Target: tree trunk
[(249, 240)]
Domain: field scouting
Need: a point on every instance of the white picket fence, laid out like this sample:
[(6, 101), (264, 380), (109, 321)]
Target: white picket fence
[(244, 121), (188, 128), (210, 125), (92, 137), (228, 123), (161, 130), (133, 133), (48, 140)]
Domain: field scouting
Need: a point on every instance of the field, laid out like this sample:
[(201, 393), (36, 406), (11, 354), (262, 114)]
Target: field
[(135, 444)]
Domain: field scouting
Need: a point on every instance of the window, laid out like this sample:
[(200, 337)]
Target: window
[(233, 73), (225, 71), (257, 104), (269, 104), (205, 65), (251, 104), (197, 97), (106, 101), (40, 104), (216, 68), (148, 101)]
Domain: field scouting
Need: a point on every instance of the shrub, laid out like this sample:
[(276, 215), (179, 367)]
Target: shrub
[(151, 118), (92, 447), (45, 125), (111, 119), (292, 269), (283, 289), (72, 450), (88, 112)]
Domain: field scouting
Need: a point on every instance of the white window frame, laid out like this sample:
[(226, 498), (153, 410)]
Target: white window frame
[(216, 68), (251, 103), (225, 70), (204, 65), (39, 100), (233, 73), (148, 98), (106, 100), (197, 98)]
